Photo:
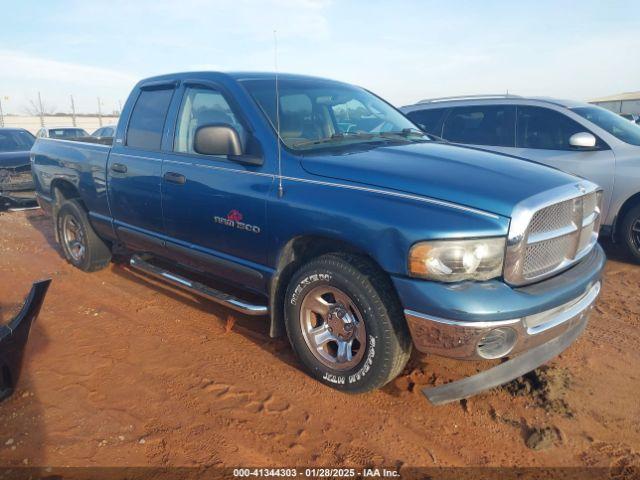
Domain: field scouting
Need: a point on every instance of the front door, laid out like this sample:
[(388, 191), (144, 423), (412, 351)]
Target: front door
[(214, 208), (543, 135)]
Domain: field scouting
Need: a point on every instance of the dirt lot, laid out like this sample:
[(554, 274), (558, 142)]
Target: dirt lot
[(122, 370)]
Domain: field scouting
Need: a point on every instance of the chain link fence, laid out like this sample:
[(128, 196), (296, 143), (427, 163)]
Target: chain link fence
[(34, 123)]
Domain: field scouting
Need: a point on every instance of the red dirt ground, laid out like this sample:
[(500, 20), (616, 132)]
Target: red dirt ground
[(122, 370)]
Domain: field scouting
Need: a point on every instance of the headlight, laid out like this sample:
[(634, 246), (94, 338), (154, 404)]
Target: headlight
[(455, 260)]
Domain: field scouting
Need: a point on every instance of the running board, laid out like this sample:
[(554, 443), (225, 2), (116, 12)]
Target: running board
[(197, 288)]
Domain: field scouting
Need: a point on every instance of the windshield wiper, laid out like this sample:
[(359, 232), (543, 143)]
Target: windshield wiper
[(405, 132), (336, 137)]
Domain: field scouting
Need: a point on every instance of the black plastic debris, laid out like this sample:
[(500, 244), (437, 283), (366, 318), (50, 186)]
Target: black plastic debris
[(14, 335)]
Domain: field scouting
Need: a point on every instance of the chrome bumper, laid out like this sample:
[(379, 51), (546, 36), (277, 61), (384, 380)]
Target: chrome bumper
[(460, 340)]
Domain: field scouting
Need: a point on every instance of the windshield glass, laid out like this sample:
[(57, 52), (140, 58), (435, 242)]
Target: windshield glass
[(67, 133), (320, 114), (611, 122), (15, 141)]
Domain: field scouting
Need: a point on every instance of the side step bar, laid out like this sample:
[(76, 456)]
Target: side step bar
[(139, 263)]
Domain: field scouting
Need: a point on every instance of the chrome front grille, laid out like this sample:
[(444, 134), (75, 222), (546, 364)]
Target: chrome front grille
[(551, 231)]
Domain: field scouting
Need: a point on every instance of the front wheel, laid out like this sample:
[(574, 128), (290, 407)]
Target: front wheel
[(630, 230), (346, 324)]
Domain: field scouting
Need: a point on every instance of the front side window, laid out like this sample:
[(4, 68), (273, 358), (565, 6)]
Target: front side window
[(201, 107), (543, 128), (481, 125), (147, 119), (15, 141), (428, 120), (316, 114), (617, 126)]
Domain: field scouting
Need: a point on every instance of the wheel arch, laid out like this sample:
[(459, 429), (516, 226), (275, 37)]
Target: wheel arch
[(295, 253), (629, 203)]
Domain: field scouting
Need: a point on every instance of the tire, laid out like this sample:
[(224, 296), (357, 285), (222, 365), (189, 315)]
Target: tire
[(80, 244), (630, 232), (346, 324)]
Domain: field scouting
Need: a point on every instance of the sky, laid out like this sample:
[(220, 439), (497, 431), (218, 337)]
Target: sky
[(402, 50)]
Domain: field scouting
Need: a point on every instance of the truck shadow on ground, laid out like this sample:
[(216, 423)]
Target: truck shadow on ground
[(255, 329), (44, 225)]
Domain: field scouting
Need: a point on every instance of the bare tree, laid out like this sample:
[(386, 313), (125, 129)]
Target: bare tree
[(33, 108)]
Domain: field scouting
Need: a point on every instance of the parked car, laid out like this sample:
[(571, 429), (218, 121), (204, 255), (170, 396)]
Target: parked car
[(108, 131), (16, 183), (355, 232), (579, 138), (64, 133)]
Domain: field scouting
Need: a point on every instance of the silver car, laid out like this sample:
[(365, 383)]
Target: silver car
[(576, 137)]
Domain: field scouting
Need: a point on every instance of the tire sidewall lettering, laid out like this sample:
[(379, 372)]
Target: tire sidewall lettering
[(306, 281)]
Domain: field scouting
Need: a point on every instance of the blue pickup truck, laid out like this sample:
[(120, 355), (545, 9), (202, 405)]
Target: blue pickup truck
[(320, 205)]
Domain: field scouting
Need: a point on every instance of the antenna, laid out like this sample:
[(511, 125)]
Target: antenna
[(275, 61)]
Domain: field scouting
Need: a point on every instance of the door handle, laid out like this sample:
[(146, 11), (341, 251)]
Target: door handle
[(118, 168), (175, 178)]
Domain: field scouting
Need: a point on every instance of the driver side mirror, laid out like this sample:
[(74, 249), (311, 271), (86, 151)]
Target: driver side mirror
[(583, 140), (217, 140), (223, 139)]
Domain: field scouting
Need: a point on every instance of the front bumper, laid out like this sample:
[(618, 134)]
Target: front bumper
[(460, 340), (543, 319), (505, 372)]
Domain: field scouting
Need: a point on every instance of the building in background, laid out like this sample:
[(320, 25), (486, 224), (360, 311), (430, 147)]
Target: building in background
[(622, 103)]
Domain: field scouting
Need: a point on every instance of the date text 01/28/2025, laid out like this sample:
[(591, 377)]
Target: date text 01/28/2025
[(317, 472)]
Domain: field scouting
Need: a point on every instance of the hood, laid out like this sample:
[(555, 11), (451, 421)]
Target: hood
[(465, 176), (14, 159)]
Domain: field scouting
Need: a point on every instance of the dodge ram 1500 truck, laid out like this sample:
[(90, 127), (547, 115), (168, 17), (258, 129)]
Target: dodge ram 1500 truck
[(328, 210)]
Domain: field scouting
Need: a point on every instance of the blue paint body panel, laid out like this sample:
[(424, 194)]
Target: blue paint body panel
[(380, 201)]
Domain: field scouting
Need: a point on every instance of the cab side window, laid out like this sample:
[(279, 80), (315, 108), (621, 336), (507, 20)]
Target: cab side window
[(147, 119), (481, 125), (429, 120), (542, 128), (200, 107)]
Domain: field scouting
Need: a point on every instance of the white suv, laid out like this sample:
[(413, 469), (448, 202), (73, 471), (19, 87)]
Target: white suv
[(576, 137)]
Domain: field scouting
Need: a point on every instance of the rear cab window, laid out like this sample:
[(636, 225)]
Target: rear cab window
[(146, 123)]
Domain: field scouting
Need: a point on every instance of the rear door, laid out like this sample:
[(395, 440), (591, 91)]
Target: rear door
[(214, 208), (134, 170), (481, 125)]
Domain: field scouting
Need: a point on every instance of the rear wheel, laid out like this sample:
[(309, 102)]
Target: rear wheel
[(81, 245), (630, 230), (346, 324)]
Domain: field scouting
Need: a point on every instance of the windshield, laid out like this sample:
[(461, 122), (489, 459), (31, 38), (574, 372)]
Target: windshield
[(319, 114), (67, 133), (613, 123), (15, 141)]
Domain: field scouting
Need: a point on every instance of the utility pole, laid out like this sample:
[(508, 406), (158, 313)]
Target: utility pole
[(73, 111), (41, 110), (1, 114), (120, 104), (99, 113)]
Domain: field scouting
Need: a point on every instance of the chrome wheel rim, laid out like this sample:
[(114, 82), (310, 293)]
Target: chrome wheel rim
[(333, 327), (73, 237), (635, 234)]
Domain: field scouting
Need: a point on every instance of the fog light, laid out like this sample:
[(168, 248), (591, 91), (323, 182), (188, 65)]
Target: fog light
[(497, 342)]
